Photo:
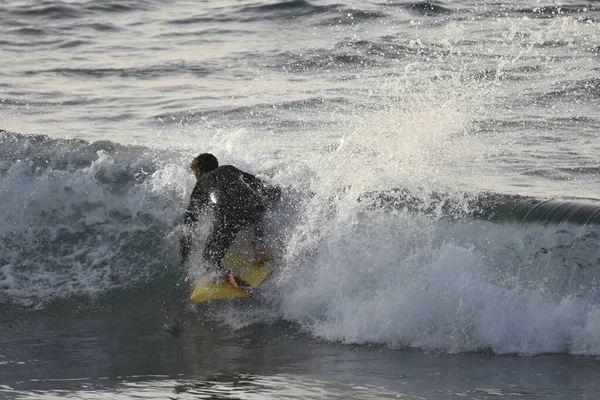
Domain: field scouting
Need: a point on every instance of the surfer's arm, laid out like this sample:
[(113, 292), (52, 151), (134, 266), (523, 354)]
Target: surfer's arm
[(185, 246), (195, 207), (197, 203)]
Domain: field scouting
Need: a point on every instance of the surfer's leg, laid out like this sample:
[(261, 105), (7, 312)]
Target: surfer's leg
[(217, 244), (219, 241), (261, 253)]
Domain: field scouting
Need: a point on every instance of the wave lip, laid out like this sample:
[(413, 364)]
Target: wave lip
[(493, 207)]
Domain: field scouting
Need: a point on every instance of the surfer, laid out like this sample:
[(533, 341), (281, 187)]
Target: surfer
[(238, 200)]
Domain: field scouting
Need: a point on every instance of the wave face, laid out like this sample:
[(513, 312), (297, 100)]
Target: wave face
[(81, 219), (92, 223)]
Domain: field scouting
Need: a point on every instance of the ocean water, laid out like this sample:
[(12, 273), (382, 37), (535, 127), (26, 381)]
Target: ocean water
[(439, 231)]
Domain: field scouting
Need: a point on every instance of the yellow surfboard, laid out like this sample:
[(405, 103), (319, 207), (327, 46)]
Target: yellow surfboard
[(252, 272)]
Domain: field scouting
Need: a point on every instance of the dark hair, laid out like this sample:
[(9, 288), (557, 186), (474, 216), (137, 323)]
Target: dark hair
[(205, 162)]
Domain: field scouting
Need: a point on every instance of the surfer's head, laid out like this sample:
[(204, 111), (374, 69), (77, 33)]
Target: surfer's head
[(204, 163)]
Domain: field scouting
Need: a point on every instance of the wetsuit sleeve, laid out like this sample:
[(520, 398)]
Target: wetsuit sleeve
[(197, 202), (270, 192)]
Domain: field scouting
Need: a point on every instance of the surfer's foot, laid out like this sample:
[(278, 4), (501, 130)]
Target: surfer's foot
[(237, 282)]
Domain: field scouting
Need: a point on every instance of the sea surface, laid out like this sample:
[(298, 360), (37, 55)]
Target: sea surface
[(439, 231)]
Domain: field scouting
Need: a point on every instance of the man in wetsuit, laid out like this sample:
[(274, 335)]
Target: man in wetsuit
[(238, 200)]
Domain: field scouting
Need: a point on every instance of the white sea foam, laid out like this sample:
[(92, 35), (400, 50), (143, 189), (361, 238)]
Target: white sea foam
[(400, 280)]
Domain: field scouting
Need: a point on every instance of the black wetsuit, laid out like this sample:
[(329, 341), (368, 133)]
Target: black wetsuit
[(238, 200)]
